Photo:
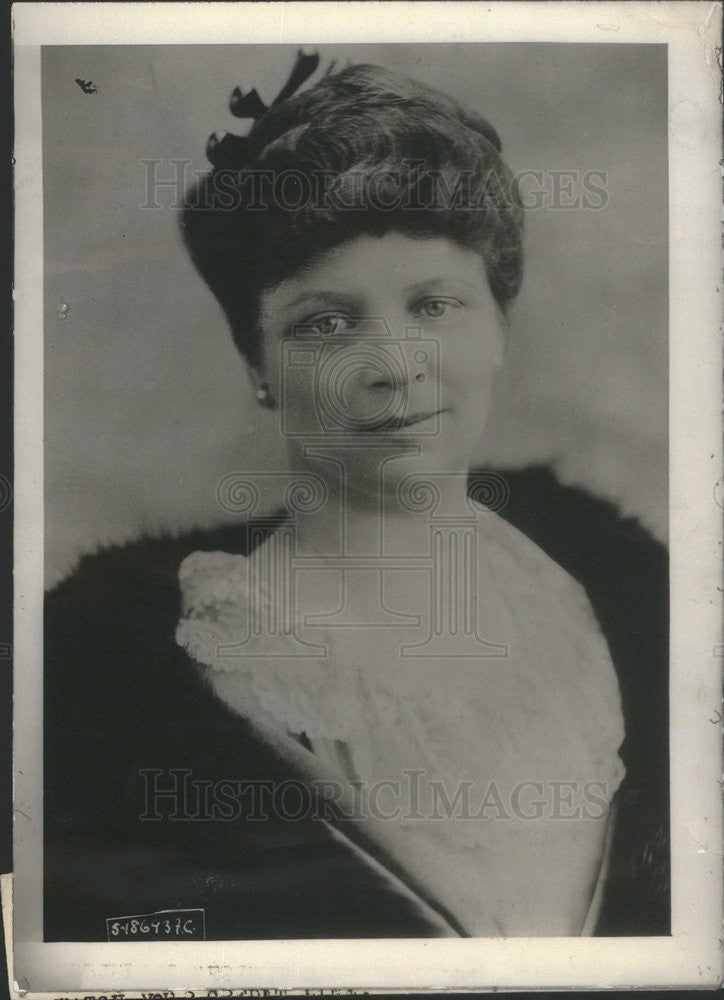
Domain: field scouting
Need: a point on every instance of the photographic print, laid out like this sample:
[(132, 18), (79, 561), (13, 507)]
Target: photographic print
[(352, 554)]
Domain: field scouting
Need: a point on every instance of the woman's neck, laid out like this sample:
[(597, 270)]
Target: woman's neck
[(359, 523)]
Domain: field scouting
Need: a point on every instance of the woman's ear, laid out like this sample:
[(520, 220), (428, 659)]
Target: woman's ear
[(261, 389)]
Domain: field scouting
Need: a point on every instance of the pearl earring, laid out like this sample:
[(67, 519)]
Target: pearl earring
[(263, 397)]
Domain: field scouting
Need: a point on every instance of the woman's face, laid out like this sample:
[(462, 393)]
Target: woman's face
[(386, 345)]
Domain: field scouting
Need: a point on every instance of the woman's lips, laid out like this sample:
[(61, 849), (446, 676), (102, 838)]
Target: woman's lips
[(402, 423)]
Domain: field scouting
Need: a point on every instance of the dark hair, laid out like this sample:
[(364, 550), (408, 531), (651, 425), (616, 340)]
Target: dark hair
[(366, 151)]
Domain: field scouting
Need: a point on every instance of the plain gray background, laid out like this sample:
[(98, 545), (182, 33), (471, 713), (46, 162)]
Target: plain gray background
[(147, 404)]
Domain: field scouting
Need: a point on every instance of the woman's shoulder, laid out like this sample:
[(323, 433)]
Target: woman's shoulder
[(132, 588), (608, 553), (550, 604), (518, 563), (620, 566), (131, 729), (112, 669), (554, 641), (624, 572)]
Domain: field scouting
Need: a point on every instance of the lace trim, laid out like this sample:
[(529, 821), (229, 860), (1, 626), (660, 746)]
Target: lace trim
[(226, 627)]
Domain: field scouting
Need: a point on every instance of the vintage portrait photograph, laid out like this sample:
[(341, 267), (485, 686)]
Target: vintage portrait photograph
[(353, 613)]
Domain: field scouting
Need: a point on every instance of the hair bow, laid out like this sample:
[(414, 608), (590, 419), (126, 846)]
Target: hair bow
[(226, 149)]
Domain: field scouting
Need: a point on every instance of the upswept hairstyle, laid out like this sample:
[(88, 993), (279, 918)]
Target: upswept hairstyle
[(364, 151)]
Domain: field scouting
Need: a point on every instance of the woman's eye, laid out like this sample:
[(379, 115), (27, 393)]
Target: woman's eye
[(330, 325), (435, 308)]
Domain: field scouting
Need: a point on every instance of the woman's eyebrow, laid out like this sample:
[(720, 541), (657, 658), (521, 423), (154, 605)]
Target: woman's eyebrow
[(324, 297), (442, 279)]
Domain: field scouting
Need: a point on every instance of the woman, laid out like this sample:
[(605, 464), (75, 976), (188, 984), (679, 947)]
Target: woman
[(437, 681)]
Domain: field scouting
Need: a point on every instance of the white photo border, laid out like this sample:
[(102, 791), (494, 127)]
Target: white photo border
[(691, 955)]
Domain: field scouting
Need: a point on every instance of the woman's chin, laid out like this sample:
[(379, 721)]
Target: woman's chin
[(378, 459), (429, 461)]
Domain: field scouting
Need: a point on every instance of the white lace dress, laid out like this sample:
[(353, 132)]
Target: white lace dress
[(492, 775)]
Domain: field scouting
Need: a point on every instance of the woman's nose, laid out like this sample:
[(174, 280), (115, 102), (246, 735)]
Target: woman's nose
[(375, 364), (385, 374)]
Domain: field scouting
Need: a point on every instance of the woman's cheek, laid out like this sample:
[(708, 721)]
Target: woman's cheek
[(469, 356)]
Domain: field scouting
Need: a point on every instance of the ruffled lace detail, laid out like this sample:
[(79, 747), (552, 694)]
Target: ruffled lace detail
[(230, 625), (556, 686), (547, 712)]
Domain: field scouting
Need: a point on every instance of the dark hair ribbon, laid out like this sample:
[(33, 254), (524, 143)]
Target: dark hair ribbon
[(228, 148)]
